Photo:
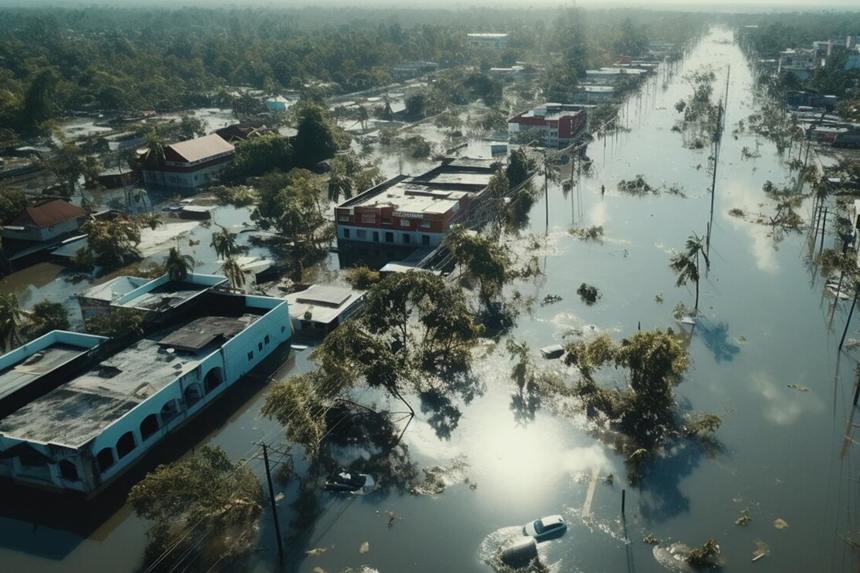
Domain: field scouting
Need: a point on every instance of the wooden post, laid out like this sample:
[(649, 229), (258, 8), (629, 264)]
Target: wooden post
[(274, 507), (823, 229), (624, 499)]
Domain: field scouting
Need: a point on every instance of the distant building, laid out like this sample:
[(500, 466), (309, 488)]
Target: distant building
[(277, 103), (409, 70), (798, 62), (610, 76), (594, 94), (555, 125), (319, 309), (412, 211), (189, 164), (76, 414), (46, 222), (492, 41), (811, 100), (242, 130)]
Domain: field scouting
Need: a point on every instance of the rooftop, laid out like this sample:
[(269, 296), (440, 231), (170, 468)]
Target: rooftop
[(164, 294), (201, 148), (37, 365), (81, 408), (489, 36), (325, 303), (551, 111), (416, 199), (48, 214), (114, 288)]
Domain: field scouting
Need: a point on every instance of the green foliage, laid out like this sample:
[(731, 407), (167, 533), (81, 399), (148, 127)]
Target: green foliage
[(363, 277), (318, 137), (588, 293), (177, 266), (116, 324), (289, 203), (12, 318), (190, 127), (13, 201), (206, 493), (593, 233), (519, 167), (482, 261), (416, 106), (259, 155), (46, 316), (69, 164), (686, 263), (235, 196), (349, 176), (298, 405), (111, 243)]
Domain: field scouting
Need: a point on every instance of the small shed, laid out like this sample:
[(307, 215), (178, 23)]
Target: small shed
[(319, 309)]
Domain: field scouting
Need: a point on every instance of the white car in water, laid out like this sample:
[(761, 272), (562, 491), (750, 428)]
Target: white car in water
[(546, 528)]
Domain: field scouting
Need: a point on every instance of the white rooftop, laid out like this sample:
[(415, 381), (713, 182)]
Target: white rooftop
[(325, 303)]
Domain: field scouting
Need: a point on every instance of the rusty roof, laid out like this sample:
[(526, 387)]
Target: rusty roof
[(50, 213), (201, 148)]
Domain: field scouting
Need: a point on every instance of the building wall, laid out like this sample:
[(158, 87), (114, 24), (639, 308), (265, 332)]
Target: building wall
[(185, 179), (397, 236), (42, 234)]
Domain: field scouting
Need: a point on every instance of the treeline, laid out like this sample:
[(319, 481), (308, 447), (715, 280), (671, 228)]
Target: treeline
[(56, 61), (782, 31)]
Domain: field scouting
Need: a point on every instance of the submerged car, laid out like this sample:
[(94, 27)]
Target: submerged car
[(546, 527), (349, 482)]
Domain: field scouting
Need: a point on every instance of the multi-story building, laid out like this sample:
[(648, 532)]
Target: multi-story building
[(189, 164), (412, 211), (493, 41), (76, 411), (553, 125)]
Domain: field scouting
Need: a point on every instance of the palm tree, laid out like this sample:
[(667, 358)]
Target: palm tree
[(224, 243), (233, 272), (155, 147), (12, 317), (363, 116), (339, 182), (686, 263), (177, 265), (387, 111)]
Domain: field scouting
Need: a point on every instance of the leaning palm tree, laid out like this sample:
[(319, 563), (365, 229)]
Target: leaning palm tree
[(233, 272), (178, 265), (686, 263), (12, 318), (155, 147), (224, 243), (339, 182)]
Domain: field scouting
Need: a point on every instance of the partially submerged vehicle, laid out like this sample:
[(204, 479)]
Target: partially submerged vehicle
[(544, 528), (349, 482)]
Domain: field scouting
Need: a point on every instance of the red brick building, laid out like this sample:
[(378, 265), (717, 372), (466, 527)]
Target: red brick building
[(556, 124)]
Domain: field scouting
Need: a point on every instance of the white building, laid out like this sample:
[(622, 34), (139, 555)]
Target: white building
[(277, 103), (45, 223), (75, 417), (492, 41), (189, 164), (318, 310)]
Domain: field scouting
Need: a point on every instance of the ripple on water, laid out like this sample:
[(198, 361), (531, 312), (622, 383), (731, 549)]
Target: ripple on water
[(493, 543)]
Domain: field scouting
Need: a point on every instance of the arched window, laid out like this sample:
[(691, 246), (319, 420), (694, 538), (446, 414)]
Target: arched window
[(105, 459), (125, 444), (69, 471), (192, 395), (212, 379), (169, 411), (148, 427)]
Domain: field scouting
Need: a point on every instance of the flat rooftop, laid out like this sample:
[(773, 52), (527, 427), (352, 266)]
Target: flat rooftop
[(325, 303), (169, 295), (34, 367), (114, 288), (412, 198), (81, 408)]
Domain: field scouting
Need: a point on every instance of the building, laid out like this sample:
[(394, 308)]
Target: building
[(189, 164), (555, 125), (277, 103), (798, 62), (319, 309), (97, 300), (409, 70), (76, 411), (241, 131), (491, 41), (44, 223), (412, 211), (594, 94)]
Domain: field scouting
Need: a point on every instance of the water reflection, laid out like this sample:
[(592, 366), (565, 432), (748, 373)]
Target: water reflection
[(716, 337)]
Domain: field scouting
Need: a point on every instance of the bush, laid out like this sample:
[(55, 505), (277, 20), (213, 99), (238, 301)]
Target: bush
[(363, 277), (588, 293)]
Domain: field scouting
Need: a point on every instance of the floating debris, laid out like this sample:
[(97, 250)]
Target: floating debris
[(761, 550), (780, 523), (593, 233), (588, 293), (651, 539), (658, 298), (798, 387), (552, 352), (550, 299), (319, 570), (437, 478), (745, 518), (316, 552), (365, 547)]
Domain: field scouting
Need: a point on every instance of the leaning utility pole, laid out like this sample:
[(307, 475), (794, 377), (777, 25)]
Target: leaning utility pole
[(274, 507)]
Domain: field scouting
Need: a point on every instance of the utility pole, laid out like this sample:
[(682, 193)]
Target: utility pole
[(546, 188), (274, 507), (850, 314)]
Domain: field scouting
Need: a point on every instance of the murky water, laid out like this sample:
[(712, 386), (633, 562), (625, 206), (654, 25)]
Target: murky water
[(766, 327)]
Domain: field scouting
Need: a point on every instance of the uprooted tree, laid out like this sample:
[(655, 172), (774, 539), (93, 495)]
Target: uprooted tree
[(644, 413)]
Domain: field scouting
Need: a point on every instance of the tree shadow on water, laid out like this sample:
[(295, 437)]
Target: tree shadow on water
[(441, 406), (716, 338)]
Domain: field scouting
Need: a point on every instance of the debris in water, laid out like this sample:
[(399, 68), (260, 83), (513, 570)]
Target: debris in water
[(798, 387), (588, 293), (761, 550), (550, 299), (437, 478), (741, 339), (658, 298), (279, 497), (365, 547), (780, 523), (316, 552), (610, 479), (594, 233), (745, 518), (852, 344), (705, 556), (651, 539), (319, 570)]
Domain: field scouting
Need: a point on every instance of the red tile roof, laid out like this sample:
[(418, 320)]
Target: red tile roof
[(50, 213)]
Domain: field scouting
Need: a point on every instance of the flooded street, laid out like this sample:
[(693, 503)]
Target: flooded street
[(765, 328)]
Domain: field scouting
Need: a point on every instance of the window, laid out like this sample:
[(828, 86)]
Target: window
[(192, 395), (260, 346), (266, 340), (32, 460), (346, 233), (105, 459), (68, 471), (125, 444), (387, 221), (406, 238), (343, 218), (425, 239), (148, 427), (361, 234), (212, 380), (404, 222), (169, 411), (376, 236), (250, 355), (389, 237), (425, 224)]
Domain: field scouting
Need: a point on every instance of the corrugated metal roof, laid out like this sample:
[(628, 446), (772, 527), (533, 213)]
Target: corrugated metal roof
[(201, 148), (50, 213)]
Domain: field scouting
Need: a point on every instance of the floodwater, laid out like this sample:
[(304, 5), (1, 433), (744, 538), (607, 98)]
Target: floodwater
[(765, 328)]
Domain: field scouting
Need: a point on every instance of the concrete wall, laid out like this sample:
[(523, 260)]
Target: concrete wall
[(186, 180), (44, 234)]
